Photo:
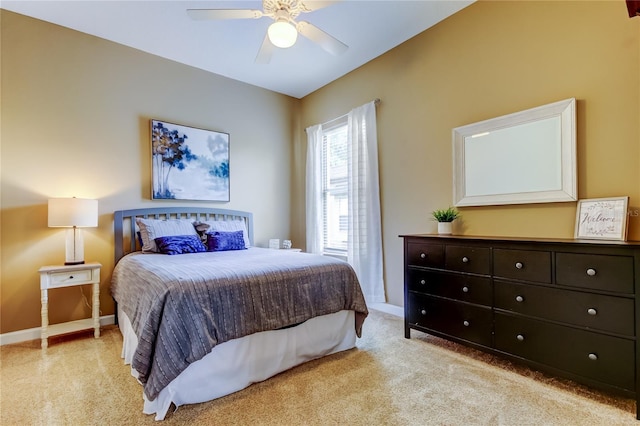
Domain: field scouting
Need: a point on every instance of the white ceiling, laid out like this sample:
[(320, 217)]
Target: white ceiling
[(229, 48)]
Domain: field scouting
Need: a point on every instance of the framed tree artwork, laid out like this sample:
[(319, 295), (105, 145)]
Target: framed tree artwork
[(188, 163)]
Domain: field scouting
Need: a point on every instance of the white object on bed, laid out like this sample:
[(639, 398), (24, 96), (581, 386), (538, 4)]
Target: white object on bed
[(236, 364)]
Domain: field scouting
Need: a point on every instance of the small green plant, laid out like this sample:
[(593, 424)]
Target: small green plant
[(446, 215)]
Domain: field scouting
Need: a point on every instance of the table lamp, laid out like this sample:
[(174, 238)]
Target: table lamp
[(73, 213)]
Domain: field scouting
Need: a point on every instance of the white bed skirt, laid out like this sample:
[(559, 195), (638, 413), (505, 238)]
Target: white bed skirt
[(236, 364)]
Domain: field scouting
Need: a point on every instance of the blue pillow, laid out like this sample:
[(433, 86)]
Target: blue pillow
[(223, 241), (180, 244)]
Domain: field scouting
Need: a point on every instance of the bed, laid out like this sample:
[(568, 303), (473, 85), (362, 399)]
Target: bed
[(199, 325)]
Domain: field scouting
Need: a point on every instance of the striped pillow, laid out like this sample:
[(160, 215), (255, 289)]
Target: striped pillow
[(229, 226), (150, 229)]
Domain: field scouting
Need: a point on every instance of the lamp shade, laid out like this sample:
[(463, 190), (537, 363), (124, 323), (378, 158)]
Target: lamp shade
[(70, 212), (282, 34)]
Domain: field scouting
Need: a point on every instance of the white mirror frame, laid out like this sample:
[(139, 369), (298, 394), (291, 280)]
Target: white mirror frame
[(486, 175)]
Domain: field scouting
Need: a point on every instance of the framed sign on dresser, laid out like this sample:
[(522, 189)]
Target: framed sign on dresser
[(565, 307)]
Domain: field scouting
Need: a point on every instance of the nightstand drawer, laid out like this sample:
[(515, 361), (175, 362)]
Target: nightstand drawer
[(63, 279)]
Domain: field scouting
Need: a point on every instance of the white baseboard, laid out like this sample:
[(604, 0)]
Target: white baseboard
[(387, 308), (34, 333)]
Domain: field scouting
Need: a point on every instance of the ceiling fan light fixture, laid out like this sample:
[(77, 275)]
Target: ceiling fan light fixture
[(282, 34)]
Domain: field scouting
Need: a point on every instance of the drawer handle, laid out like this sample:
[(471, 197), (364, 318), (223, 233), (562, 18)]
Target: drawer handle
[(465, 289), (423, 282), (465, 259), (423, 255), (519, 265), (592, 311), (519, 299), (520, 337), (423, 312), (593, 357), (70, 277), (465, 323), (591, 272)]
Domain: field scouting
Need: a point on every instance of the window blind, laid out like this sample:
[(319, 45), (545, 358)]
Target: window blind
[(334, 188)]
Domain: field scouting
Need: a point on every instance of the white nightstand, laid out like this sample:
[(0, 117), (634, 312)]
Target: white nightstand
[(66, 276)]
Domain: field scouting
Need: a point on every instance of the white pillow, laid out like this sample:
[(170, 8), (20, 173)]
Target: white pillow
[(150, 229), (229, 226)]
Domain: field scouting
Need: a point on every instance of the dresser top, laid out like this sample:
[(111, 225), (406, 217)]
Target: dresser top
[(634, 244)]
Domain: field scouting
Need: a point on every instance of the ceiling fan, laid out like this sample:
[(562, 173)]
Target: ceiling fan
[(283, 32)]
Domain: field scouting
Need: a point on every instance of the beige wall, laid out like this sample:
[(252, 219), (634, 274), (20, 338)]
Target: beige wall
[(75, 122), (491, 59)]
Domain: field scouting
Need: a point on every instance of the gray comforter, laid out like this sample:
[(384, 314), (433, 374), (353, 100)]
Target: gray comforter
[(182, 306)]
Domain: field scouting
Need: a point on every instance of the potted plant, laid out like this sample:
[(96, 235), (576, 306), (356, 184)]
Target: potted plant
[(444, 218)]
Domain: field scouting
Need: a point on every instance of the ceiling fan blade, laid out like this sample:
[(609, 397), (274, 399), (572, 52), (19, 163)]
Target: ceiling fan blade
[(311, 5), (265, 52), (326, 41), (203, 14)]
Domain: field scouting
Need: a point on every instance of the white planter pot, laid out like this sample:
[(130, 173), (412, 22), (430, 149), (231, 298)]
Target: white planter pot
[(444, 228)]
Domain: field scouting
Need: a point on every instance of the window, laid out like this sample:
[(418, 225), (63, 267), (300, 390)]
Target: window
[(342, 200), (335, 199)]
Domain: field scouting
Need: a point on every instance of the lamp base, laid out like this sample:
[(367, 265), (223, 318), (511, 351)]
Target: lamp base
[(74, 247)]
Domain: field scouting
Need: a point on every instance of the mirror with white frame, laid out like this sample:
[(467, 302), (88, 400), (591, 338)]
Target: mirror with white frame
[(524, 157)]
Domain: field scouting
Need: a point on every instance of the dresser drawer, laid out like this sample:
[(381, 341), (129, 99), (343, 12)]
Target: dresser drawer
[(525, 265), (476, 260), (610, 273), (596, 311), (423, 254), (468, 322), (467, 288), (588, 354)]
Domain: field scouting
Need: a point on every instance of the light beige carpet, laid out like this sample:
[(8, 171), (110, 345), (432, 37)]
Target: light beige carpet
[(387, 380)]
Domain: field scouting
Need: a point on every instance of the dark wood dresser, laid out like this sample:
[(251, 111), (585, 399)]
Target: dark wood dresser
[(565, 307)]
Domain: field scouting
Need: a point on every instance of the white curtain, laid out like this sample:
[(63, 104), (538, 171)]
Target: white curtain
[(364, 246), (314, 189)]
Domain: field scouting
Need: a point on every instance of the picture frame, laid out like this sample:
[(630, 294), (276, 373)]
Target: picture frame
[(602, 219), (189, 163)]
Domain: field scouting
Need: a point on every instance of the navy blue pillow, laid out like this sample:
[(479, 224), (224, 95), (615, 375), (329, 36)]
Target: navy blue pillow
[(223, 241), (180, 244)]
